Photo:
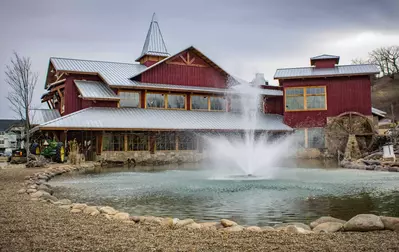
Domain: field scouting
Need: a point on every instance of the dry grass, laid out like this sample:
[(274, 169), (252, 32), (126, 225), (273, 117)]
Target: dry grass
[(33, 226), (385, 91)]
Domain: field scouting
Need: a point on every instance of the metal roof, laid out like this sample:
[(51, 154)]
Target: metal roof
[(95, 90), (159, 119), (378, 112), (170, 87), (154, 43), (6, 124), (343, 70), (324, 56), (113, 73), (39, 116)]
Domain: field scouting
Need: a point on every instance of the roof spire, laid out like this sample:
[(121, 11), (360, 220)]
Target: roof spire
[(154, 44)]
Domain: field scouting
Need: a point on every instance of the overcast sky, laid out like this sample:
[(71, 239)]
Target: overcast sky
[(243, 37)]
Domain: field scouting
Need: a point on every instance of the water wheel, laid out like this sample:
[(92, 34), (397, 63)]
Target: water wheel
[(340, 127)]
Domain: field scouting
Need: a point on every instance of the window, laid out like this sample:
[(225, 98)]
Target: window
[(316, 138), (235, 105), (187, 141), (217, 103), (310, 138), (1, 133), (165, 141), (300, 137), (137, 142), (113, 142), (199, 102), (1, 141), (129, 99), (176, 101), (305, 98), (155, 100)]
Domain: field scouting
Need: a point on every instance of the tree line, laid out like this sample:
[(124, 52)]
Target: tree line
[(386, 58)]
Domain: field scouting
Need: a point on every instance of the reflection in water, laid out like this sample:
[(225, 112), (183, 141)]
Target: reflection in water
[(294, 194)]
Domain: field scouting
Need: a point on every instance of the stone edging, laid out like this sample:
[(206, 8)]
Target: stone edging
[(38, 189)]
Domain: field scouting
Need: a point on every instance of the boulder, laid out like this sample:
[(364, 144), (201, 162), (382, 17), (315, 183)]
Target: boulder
[(227, 223), (74, 210), (209, 225), (235, 228), (63, 202), (65, 206), (135, 218), (108, 210), (253, 229), (79, 206), (90, 209), (268, 229), (31, 190), (364, 222), (21, 191), (390, 223), (185, 222), (328, 227), (32, 187), (297, 224), (94, 213), (297, 230), (193, 226), (49, 197), (121, 216), (107, 216), (39, 194), (42, 176), (150, 219), (325, 219), (45, 188)]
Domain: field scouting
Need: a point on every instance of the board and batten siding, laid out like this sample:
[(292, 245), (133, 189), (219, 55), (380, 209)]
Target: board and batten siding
[(344, 94)]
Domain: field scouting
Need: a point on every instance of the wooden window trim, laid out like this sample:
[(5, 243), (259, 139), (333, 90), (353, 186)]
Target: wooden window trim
[(191, 102), (129, 91), (165, 100), (304, 98)]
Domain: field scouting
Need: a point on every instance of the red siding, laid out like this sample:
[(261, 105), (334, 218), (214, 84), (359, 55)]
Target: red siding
[(180, 74), (72, 101), (343, 94), (325, 63), (274, 105)]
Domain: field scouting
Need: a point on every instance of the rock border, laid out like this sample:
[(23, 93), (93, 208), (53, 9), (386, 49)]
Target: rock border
[(38, 189)]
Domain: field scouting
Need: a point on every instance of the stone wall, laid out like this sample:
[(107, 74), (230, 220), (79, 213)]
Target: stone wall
[(158, 158)]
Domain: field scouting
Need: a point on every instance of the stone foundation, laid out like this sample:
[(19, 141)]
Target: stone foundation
[(158, 158)]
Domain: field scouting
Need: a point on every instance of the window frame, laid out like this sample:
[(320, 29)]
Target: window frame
[(167, 101), (164, 100), (305, 95), (129, 91), (306, 138), (207, 102)]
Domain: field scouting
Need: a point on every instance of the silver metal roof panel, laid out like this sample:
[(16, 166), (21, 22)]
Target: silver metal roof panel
[(169, 87), (159, 119), (154, 43), (378, 112), (113, 73), (344, 70), (324, 56), (40, 116), (95, 90)]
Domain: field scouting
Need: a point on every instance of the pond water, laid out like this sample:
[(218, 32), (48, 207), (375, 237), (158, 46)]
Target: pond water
[(195, 191)]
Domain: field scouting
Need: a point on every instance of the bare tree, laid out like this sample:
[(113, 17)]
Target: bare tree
[(22, 82)]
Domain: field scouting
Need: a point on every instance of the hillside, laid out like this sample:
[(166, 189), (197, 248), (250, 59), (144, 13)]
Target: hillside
[(385, 91)]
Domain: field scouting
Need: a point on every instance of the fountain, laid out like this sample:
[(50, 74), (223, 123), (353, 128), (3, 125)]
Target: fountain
[(249, 153)]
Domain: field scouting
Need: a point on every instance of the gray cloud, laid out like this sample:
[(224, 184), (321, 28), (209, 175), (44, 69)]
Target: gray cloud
[(244, 37)]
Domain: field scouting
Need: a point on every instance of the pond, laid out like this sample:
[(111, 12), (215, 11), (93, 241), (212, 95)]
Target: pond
[(196, 191)]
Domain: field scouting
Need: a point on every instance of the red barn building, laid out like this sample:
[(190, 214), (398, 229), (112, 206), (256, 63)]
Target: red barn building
[(151, 110), (326, 99)]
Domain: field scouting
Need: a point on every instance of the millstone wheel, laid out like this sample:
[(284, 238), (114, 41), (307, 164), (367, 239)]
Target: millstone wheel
[(340, 127)]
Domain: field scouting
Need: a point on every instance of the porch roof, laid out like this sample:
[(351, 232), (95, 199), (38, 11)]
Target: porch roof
[(159, 119), (95, 90)]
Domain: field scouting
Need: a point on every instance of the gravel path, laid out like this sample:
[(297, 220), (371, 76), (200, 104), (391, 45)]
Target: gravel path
[(33, 226)]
